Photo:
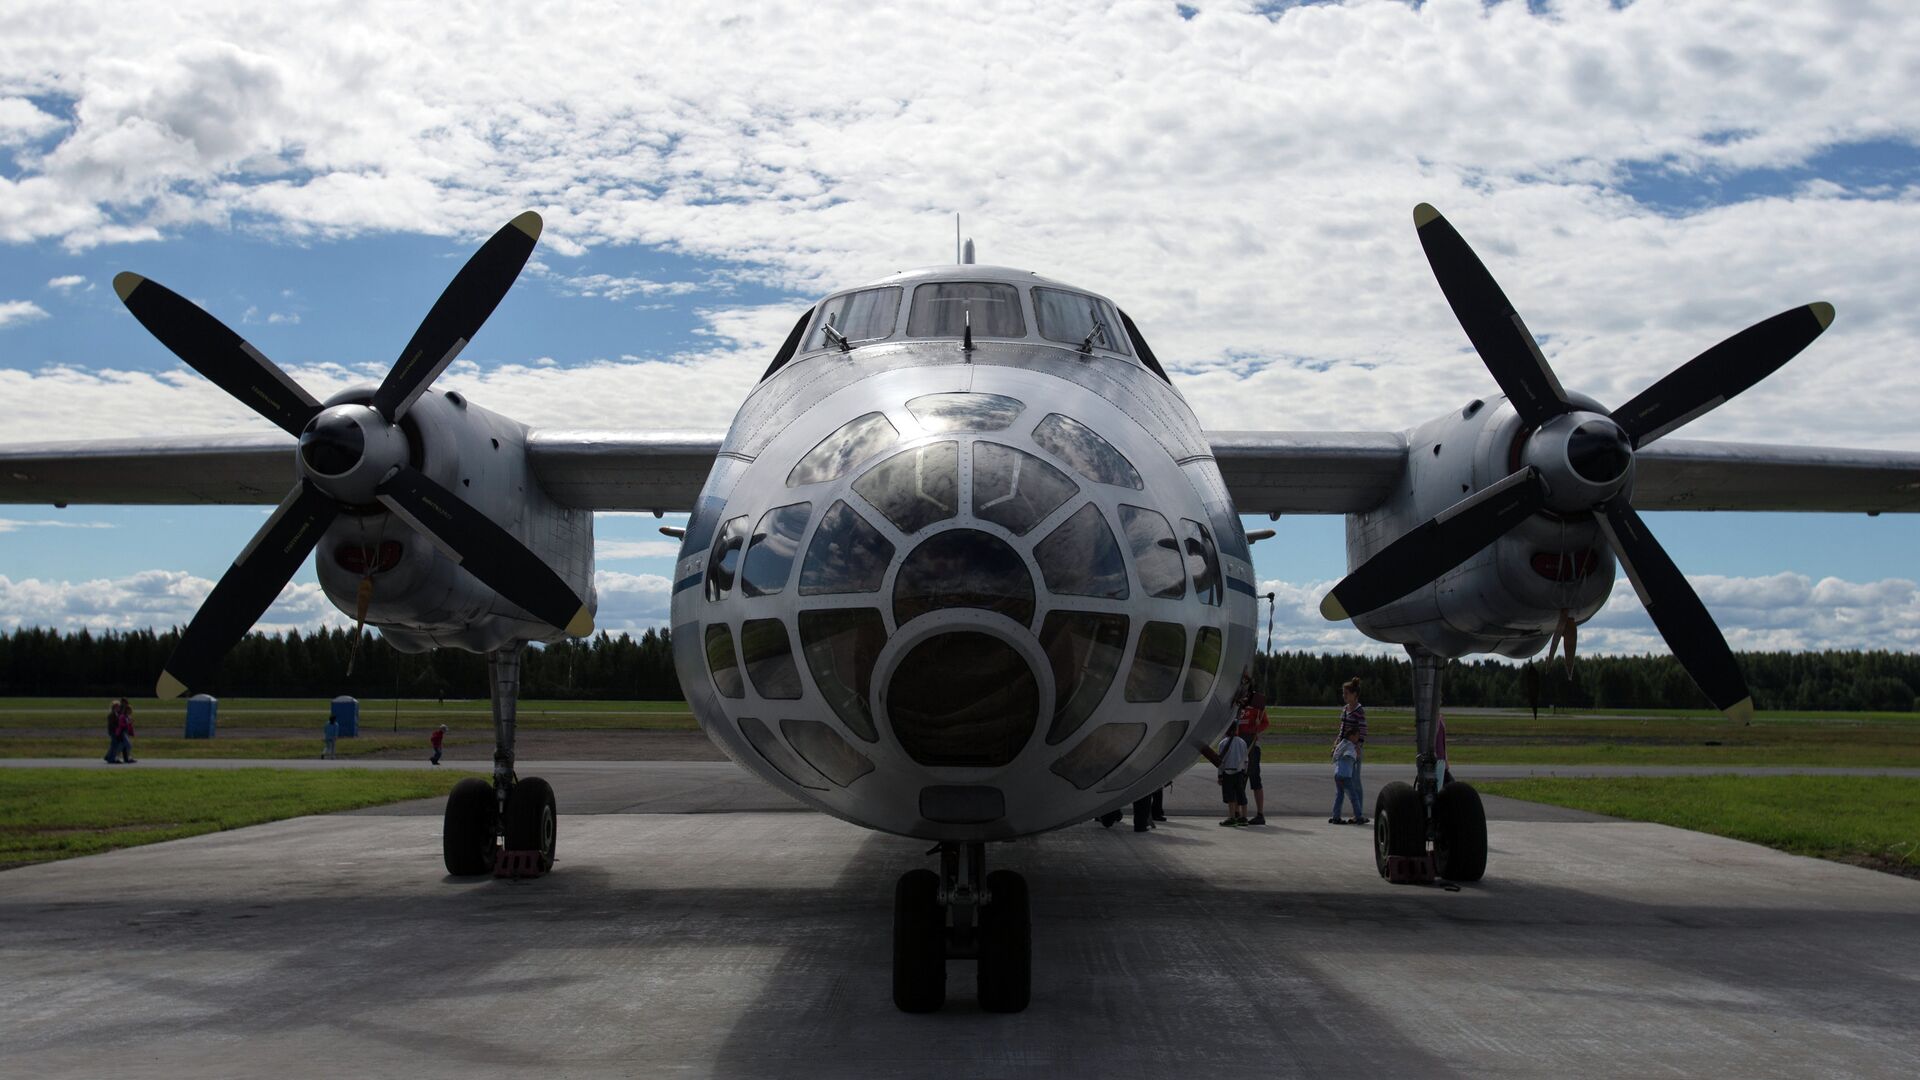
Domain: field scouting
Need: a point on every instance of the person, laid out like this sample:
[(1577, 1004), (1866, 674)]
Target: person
[(126, 733), (1230, 757), (439, 735), (1253, 721), (1350, 746), (332, 733), (113, 733), (1146, 812)]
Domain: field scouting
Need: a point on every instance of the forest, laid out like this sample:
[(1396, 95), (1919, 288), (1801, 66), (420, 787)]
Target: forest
[(47, 663)]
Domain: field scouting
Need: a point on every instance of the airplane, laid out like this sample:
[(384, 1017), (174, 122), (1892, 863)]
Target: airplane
[(965, 567)]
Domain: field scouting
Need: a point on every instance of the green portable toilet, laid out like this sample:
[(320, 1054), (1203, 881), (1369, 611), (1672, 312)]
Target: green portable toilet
[(346, 713), (202, 712)]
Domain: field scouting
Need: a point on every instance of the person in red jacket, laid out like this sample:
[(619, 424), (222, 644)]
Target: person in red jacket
[(1253, 720), (439, 735)]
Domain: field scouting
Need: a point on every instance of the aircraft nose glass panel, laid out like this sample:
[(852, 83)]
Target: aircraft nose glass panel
[(938, 413), (1084, 649), (1164, 742), (915, 488), (1156, 555), (847, 555), (860, 439), (944, 309), (769, 655), (1205, 666), (1203, 563), (1098, 754), (1081, 557), (724, 560), (963, 698), (722, 664), (775, 542), (1090, 455), (769, 746), (1015, 490), (1157, 662), (842, 647), (963, 568), (821, 747)]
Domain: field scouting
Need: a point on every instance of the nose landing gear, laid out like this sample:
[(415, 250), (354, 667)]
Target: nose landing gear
[(480, 814), (961, 913)]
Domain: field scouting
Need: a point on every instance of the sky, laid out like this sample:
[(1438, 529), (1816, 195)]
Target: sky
[(1643, 179)]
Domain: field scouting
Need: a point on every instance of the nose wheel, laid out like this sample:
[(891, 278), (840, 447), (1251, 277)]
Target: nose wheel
[(961, 913)]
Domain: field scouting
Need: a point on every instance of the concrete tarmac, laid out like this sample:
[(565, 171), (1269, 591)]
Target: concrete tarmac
[(756, 943)]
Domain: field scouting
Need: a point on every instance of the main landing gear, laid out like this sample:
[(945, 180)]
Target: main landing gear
[(1407, 816), (522, 811), (961, 913)]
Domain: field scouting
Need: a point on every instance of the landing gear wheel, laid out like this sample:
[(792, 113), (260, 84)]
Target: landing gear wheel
[(468, 833), (1006, 944), (919, 943), (1399, 825), (1459, 834), (533, 820)]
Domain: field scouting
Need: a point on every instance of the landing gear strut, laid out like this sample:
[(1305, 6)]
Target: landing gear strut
[(1450, 815), (961, 913), (479, 813)]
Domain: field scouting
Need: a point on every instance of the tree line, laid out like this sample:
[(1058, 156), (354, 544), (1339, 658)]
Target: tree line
[(36, 662)]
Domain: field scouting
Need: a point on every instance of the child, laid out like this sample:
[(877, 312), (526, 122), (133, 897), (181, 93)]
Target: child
[(439, 735)]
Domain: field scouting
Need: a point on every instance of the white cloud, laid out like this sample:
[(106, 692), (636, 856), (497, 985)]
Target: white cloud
[(20, 311), (635, 549), (67, 282), (150, 598), (8, 525)]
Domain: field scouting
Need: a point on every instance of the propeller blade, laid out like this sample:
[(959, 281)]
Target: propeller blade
[(211, 349), (472, 295), (486, 550), (1436, 546), (248, 588), (1703, 383), (1677, 612), (1502, 340)]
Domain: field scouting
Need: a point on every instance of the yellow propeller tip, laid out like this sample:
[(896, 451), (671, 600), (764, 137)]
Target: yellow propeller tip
[(1822, 311), (168, 687), (1423, 215), (528, 223), (125, 282), (1742, 711), (581, 624), (1331, 609)]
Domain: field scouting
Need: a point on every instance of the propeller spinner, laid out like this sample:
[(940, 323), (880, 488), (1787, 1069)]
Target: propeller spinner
[(1578, 457), (351, 456)]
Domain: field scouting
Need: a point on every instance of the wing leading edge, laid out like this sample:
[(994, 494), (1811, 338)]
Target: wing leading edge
[(1286, 472)]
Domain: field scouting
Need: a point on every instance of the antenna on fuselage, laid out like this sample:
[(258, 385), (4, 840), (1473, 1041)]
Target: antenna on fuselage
[(956, 239)]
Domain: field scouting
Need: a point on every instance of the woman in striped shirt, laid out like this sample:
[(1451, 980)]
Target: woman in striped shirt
[(1353, 736)]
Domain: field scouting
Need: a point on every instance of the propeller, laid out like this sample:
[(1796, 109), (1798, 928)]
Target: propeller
[(351, 456), (1578, 457)]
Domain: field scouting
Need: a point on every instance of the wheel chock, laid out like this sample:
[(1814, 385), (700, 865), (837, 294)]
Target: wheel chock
[(517, 864), (1410, 869)]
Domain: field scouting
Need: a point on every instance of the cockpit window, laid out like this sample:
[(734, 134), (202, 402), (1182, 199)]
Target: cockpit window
[(1156, 554), (768, 653), (1157, 661), (842, 646), (917, 487), (722, 663), (1203, 563), (847, 555), (1205, 665), (963, 568), (943, 309), (1015, 490), (867, 315), (860, 439), (1080, 557), (1090, 455), (1078, 319), (775, 542), (964, 412)]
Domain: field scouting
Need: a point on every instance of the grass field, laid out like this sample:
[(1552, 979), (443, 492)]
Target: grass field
[(290, 728), (1866, 820), (60, 813)]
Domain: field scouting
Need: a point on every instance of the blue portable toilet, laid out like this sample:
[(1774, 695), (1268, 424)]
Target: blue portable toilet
[(346, 713), (202, 711)]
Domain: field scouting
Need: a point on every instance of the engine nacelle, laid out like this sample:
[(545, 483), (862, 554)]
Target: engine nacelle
[(422, 599), (1507, 598)]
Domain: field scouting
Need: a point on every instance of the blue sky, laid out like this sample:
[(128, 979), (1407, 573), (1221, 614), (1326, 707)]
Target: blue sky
[(1239, 177)]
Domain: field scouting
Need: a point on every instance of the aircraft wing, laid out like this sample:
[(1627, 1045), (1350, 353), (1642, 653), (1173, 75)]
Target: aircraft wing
[(1288, 472)]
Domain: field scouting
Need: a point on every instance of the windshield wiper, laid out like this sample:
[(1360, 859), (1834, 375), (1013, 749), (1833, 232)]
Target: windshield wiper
[(835, 336), (1099, 332)]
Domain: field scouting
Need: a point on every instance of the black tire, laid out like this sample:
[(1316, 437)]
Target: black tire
[(1006, 945), (1399, 824), (919, 943), (467, 836), (533, 819), (1459, 834)]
